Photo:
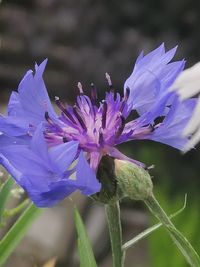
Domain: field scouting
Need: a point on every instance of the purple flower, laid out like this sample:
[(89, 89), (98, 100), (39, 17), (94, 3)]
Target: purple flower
[(53, 155)]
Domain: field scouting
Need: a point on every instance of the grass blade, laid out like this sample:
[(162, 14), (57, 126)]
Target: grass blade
[(86, 254)]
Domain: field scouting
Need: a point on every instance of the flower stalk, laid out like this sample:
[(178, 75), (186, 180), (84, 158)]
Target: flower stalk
[(115, 231), (181, 242)]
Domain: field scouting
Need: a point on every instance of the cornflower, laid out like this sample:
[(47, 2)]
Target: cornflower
[(52, 155)]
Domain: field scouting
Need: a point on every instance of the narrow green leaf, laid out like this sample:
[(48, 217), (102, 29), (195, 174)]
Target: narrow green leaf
[(86, 254), (4, 194), (185, 247), (17, 231), (151, 229), (181, 242)]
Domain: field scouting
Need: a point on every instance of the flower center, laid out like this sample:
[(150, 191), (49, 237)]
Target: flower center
[(96, 126)]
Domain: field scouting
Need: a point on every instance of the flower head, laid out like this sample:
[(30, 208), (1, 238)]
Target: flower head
[(61, 153)]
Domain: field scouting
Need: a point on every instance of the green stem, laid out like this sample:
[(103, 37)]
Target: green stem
[(114, 225), (181, 242)]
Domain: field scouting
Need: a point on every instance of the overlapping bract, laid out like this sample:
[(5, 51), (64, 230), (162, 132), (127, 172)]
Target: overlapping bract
[(52, 155)]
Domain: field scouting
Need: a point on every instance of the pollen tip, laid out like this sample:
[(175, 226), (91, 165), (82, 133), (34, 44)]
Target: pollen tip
[(150, 167), (108, 80), (107, 75), (80, 87), (57, 98)]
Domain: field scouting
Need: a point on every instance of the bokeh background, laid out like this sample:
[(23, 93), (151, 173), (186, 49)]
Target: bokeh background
[(83, 39)]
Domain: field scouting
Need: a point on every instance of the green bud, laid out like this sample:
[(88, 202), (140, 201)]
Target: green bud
[(133, 181)]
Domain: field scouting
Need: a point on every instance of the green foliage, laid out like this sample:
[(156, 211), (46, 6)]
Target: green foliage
[(162, 251), (14, 235), (86, 254), (17, 232), (4, 194), (151, 229)]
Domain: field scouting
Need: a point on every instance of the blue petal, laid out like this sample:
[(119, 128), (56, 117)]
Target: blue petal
[(86, 178), (63, 155), (14, 106), (13, 126), (34, 97), (170, 132), (151, 78), (41, 172), (10, 168), (158, 109), (151, 57), (39, 145), (44, 186), (8, 141), (27, 107), (57, 191), (26, 162)]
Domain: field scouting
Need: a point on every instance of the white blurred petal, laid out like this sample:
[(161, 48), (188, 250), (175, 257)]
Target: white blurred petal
[(189, 89), (194, 122), (192, 142), (187, 83)]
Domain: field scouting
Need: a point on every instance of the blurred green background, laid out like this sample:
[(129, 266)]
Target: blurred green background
[(83, 39)]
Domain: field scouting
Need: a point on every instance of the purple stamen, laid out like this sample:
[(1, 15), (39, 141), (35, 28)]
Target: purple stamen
[(121, 127), (47, 118), (127, 94), (64, 110), (93, 94), (59, 104), (69, 116), (104, 112), (79, 118), (101, 139)]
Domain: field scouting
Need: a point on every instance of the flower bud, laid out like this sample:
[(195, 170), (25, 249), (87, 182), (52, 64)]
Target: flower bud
[(133, 181)]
